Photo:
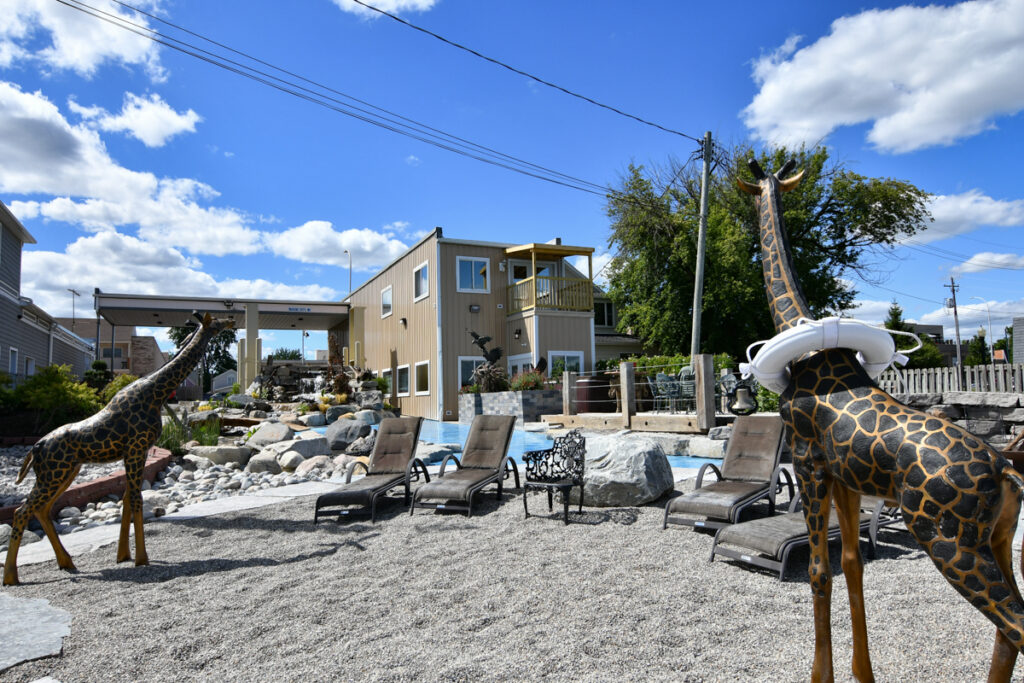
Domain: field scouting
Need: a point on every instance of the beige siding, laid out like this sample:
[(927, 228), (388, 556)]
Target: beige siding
[(385, 342), (564, 331)]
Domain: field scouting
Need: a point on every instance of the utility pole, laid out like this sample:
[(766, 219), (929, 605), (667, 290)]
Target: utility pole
[(73, 295), (702, 238), (953, 286)]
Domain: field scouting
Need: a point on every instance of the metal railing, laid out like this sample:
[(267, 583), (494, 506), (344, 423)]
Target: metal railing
[(551, 293)]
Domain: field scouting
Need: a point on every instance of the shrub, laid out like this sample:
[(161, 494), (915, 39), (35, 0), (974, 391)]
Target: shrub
[(99, 376), (207, 433), (56, 398), (470, 389), (116, 385), (491, 377), (236, 388), (767, 400), (382, 385), (527, 381), (7, 401)]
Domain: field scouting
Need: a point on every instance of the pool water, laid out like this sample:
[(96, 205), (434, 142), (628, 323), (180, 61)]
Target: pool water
[(433, 431)]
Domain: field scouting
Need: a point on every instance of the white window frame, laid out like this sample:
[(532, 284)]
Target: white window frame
[(552, 354), (476, 360), (415, 278), (458, 270), (416, 378), (386, 374), (518, 361), (391, 304), (12, 361), (398, 380), (30, 366)]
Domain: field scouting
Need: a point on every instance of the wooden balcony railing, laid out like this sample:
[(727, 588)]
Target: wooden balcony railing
[(551, 293)]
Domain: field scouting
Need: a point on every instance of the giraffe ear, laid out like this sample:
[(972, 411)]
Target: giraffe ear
[(749, 188), (207, 319)]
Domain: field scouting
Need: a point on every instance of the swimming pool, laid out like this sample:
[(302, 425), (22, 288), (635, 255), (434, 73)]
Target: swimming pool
[(433, 431)]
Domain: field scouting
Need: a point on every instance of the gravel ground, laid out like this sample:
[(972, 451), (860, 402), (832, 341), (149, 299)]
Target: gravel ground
[(265, 595)]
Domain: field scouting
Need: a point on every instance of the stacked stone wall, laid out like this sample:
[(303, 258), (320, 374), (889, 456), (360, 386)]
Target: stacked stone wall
[(994, 417), (527, 406)]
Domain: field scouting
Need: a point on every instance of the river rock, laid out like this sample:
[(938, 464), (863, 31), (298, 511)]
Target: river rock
[(369, 417), (362, 446), (316, 419), (268, 433), (334, 412), (342, 433), (306, 446), (5, 532), (289, 460), (624, 473), (222, 455), (264, 461), (317, 462), (197, 461)]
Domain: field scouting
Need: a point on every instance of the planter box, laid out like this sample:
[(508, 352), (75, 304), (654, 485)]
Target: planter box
[(527, 406)]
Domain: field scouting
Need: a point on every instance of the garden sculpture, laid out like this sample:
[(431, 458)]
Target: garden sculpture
[(126, 428), (959, 497)]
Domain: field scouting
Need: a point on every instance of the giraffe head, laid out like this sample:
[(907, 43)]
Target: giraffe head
[(217, 325), (765, 180)]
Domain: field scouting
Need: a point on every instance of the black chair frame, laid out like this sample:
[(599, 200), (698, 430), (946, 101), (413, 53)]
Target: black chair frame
[(507, 465), (413, 471), (558, 468)]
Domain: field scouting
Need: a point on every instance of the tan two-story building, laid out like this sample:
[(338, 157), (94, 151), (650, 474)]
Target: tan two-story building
[(411, 322)]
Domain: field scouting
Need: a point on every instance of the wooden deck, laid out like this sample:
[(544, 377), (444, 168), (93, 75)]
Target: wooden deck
[(681, 423)]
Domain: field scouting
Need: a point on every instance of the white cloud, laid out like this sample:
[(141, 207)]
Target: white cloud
[(600, 260), (150, 120), (142, 268), (988, 260), (870, 311), (319, 242), (44, 154), (393, 6), (974, 315), (922, 75), (956, 214), (63, 38), (412, 160)]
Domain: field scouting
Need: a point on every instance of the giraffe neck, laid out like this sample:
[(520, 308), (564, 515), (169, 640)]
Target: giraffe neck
[(170, 376), (785, 298)]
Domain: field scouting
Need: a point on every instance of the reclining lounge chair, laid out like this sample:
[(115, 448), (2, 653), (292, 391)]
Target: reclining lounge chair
[(392, 464), (767, 542), (750, 472), (484, 461)]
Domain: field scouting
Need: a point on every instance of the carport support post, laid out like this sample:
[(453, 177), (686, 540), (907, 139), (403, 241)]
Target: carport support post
[(568, 389), (704, 369), (252, 335), (627, 393), (243, 381)]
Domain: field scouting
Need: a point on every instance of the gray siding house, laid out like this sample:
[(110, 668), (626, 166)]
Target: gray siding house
[(30, 338)]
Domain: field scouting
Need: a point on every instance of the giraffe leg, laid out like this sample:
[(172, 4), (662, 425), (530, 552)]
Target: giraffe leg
[(131, 510), (43, 514), (848, 510), (1004, 653), (816, 496)]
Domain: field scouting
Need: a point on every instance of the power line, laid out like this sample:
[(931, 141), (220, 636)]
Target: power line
[(525, 73)]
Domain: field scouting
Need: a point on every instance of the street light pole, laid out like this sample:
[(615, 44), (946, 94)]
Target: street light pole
[(988, 311), (304, 335), (349, 271)]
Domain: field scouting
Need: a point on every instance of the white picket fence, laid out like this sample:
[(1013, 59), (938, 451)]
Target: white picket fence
[(995, 378)]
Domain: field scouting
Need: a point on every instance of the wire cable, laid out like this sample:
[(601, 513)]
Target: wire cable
[(525, 73)]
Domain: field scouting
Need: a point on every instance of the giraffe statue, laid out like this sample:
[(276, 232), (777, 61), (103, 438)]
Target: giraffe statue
[(959, 497), (126, 428)]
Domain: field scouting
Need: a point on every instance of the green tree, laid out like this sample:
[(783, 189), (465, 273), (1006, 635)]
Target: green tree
[(928, 356), (977, 351), (98, 376), (286, 354), (217, 358), (834, 218)]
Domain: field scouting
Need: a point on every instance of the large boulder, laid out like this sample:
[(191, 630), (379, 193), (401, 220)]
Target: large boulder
[(222, 455), (342, 433), (268, 433), (307, 447), (334, 412), (201, 417), (264, 461), (370, 417), (436, 452), (318, 462), (290, 460), (621, 473), (369, 400), (315, 419)]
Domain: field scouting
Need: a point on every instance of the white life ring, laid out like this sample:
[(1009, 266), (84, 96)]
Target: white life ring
[(874, 345)]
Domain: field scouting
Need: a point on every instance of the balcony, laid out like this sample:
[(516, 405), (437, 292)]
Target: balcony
[(551, 293)]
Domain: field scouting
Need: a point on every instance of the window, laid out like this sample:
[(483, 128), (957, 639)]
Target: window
[(422, 377), (604, 313), (519, 364), (420, 284), (12, 362), (386, 374), (564, 361), (472, 274), (30, 366), (467, 364), (403, 380), (385, 302)]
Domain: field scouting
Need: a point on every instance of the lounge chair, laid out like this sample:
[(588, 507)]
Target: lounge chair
[(767, 542), (392, 463), (484, 461), (558, 468), (750, 472)]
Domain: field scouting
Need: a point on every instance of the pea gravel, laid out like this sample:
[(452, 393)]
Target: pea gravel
[(263, 595)]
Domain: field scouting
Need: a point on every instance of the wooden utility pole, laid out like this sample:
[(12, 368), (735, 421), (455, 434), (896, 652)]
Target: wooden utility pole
[(702, 237), (956, 323)]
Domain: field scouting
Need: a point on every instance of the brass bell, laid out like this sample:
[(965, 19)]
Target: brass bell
[(742, 400)]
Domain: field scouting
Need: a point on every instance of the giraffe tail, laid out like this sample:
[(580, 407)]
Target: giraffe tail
[(25, 465)]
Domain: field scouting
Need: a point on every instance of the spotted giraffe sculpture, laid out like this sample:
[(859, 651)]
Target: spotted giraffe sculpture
[(959, 497), (126, 428)]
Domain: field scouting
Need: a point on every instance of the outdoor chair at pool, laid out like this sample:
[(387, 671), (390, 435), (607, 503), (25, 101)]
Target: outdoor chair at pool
[(392, 463), (750, 472), (767, 542), (484, 461), (557, 468)]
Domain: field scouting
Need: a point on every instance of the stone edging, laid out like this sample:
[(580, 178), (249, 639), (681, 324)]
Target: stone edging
[(91, 491)]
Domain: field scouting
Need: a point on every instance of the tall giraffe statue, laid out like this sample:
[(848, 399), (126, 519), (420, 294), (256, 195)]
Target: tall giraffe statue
[(126, 428), (959, 497)]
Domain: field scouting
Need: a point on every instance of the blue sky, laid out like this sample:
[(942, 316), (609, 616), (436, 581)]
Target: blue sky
[(141, 169)]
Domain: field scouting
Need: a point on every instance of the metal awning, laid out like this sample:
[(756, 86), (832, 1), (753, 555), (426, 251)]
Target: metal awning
[(142, 310)]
